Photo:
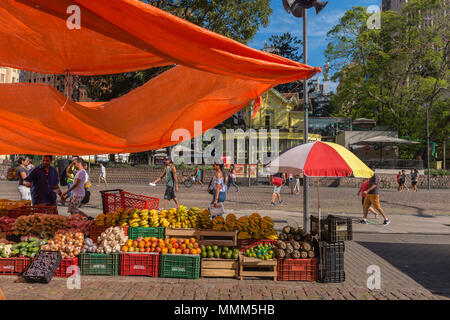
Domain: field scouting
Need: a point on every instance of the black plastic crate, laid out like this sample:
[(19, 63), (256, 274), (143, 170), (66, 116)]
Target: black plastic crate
[(331, 262), (333, 228), (42, 277)]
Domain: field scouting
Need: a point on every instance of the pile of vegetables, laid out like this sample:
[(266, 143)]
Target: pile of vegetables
[(89, 246), (6, 224), (43, 267), (78, 223), (67, 242), (27, 248), (260, 251), (112, 240), (44, 225)]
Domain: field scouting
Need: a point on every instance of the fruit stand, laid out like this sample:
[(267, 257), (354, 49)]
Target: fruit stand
[(177, 243)]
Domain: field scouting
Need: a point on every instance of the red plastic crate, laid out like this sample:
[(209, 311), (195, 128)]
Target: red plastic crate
[(96, 231), (29, 210), (297, 269), (244, 244), (64, 265), (13, 266), (125, 200), (132, 264)]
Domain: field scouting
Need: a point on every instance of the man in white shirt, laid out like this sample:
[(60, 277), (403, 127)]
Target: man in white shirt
[(102, 176), (77, 189)]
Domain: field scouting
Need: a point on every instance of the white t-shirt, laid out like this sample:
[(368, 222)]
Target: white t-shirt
[(79, 190), (103, 172)]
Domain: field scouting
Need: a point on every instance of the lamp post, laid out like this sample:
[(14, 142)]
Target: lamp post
[(299, 9), (428, 145)]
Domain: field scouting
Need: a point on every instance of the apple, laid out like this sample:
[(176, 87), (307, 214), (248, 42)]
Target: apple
[(147, 249), (135, 243), (158, 249)]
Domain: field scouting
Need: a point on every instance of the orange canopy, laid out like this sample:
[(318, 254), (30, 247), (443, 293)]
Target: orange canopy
[(215, 78)]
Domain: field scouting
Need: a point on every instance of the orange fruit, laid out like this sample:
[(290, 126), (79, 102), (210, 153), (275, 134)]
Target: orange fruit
[(173, 250), (165, 250), (179, 251), (125, 249), (153, 239), (193, 240), (129, 243)]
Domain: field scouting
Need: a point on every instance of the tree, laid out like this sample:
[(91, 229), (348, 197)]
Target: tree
[(288, 46), (236, 19), (392, 74)]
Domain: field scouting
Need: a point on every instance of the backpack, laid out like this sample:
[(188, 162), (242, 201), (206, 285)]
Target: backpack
[(63, 177), (210, 188), (87, 197), (276, 181)]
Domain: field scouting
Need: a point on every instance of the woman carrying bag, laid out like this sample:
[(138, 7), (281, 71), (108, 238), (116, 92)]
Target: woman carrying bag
[(219, 191)]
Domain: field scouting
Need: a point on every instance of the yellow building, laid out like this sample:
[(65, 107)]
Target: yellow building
[(284, 114)]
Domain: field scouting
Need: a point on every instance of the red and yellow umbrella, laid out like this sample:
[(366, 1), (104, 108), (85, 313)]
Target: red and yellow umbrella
[(320, 159)]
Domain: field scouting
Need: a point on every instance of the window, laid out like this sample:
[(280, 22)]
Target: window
[(267, 122), (13, 80), (2, 78)]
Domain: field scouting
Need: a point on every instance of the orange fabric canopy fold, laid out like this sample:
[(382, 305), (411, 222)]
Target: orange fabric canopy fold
[(161, 37), (144, 119), (214, 79)]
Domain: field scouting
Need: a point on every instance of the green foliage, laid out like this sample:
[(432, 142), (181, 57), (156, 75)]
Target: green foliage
[(288, 46), (438, 173), (392, 74)]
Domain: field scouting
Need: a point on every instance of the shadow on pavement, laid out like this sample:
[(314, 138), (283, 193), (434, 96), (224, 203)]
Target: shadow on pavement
[(427, 264)]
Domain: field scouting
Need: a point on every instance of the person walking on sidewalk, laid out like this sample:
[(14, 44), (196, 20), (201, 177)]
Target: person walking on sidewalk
[(22, 171), (277, 181), (102, 176), (414, 175), (218, 186), (232, 179), (197, 176), (398, 181), (373, 198), (170, 173), (402, 180), (77, 189), (43, 181), (70, 174), (363, 191)]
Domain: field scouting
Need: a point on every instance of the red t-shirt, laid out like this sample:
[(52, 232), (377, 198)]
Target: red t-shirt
[(364, 187), (398, 178)]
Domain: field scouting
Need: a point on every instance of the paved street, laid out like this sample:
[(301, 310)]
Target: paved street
[(409, 270), (413, 253)]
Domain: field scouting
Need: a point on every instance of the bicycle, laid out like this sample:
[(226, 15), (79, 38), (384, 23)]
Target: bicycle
[(187, 180)]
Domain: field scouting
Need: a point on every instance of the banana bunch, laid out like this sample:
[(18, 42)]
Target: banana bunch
[(218, 223), (244, 235), (193, 215), (243, 224), (144, 216), (100, 220), (124, 216), (172, 217), (182, 214), (267, 223), (271, 235), (230, 222), (153, 218), (255, 225), (164, 223), (204, 218), (162, 214), (111, 219)]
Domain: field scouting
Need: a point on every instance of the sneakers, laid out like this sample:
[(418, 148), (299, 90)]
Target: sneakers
[(273, 204), (363, 221), (282, 201), (386, 222)]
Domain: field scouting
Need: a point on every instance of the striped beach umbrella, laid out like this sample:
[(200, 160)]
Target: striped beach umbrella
[(320, 159)]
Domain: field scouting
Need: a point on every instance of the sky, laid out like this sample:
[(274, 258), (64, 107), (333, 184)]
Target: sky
[(318, 26)]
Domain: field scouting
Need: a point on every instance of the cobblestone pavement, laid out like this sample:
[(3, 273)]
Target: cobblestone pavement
[(412, 271), (333, 200)]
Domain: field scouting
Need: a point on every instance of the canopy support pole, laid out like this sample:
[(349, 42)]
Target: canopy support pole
[(318, 203)]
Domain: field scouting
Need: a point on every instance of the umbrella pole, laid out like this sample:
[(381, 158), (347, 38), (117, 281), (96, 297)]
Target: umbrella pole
[(318, 204)]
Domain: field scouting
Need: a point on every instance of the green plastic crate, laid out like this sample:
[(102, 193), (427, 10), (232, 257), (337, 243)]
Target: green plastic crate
[(179, 266), (99, 264), (134, 233)]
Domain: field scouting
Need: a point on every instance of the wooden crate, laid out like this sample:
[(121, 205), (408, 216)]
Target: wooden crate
[(218, 238), (223, 268), (2, 235), (252, 267), (183, 233)]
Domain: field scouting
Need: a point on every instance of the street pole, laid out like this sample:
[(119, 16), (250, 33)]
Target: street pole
[(428, 147), (305, 123)]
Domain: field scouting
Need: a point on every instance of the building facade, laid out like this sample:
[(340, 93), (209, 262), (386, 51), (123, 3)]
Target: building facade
[(9, 75)]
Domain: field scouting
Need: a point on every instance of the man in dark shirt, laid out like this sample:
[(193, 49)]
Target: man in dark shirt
[(373, 198), (43, 181)]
